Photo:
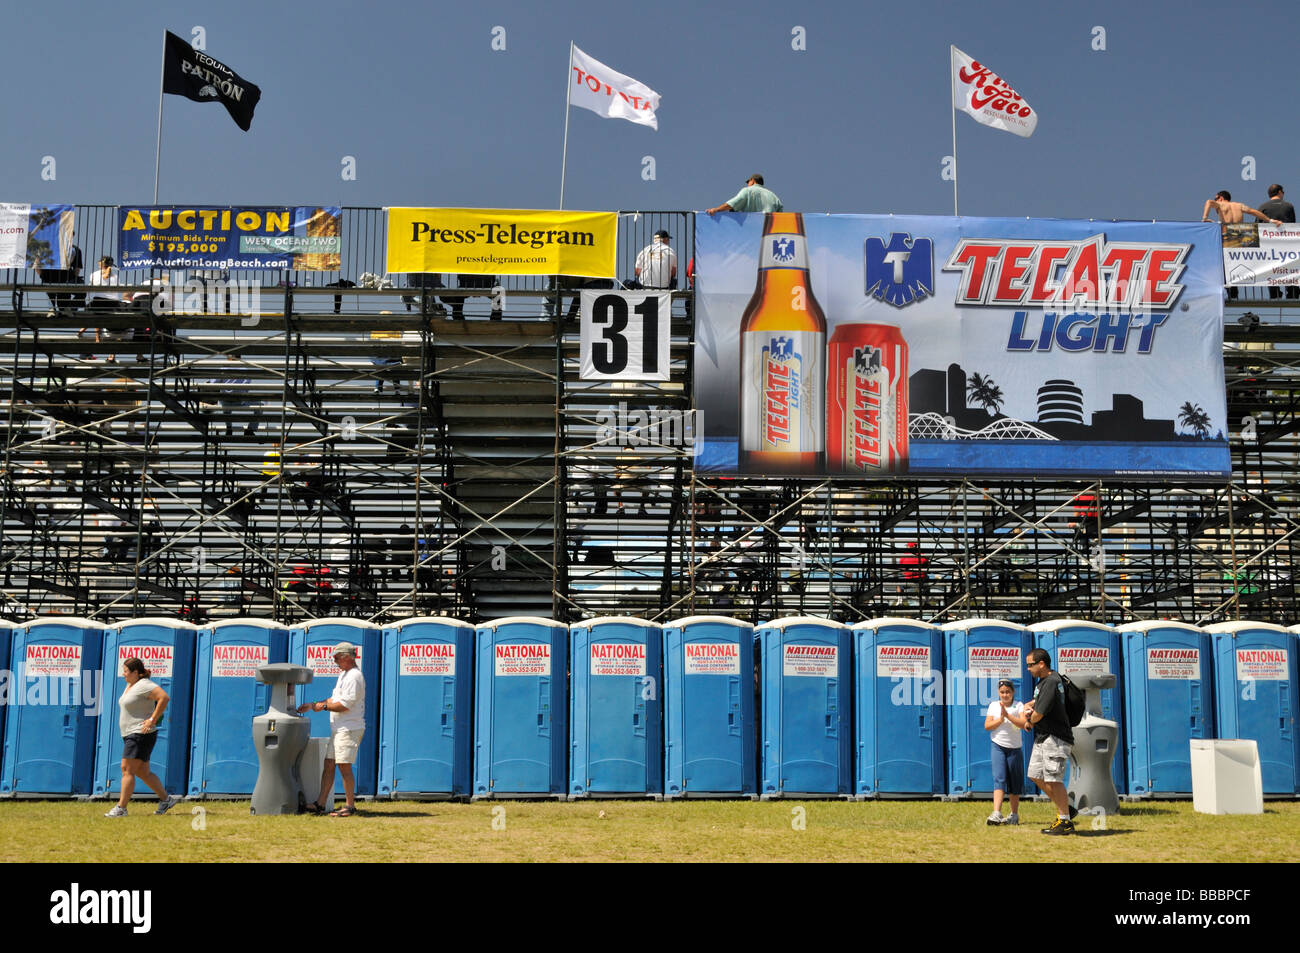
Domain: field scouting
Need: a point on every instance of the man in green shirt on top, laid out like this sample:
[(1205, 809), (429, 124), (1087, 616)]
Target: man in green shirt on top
[(752, 198)]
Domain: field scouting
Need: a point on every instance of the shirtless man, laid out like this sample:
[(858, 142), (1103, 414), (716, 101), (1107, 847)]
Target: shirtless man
[(1230, 212)]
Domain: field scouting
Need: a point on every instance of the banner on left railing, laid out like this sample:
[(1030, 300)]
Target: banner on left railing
[(488, 241), (298, 238), (35, 236)]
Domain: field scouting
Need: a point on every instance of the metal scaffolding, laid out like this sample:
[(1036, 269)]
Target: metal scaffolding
[(358, 451)]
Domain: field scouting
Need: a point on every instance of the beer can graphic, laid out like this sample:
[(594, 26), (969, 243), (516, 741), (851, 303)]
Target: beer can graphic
[(866, 401)]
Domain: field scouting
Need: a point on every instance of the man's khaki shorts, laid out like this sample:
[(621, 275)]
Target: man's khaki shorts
[(343, 745), (1049, 759)]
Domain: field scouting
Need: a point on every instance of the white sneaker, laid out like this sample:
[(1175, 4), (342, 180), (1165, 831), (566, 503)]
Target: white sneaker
[(1012, 818), (168, 804), (117, 811), (995, 819)]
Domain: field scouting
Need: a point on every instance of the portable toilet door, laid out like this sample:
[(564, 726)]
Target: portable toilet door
[(1255, 677), (312, 644), (807, 717), (1080, 647), (521, 708), (709, 685), (978, 654), (1168, 702), (227, 697), (166, 647), (426, 746), (49, 746), (6, 642), (616, 745), (898, 709)]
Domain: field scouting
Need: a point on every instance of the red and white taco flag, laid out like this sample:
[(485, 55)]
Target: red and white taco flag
[(988, 98)]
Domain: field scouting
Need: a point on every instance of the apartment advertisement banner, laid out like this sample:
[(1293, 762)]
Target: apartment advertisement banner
[(895, 346), (297, 238), (35, 236), (1261, 254), (487, 241)]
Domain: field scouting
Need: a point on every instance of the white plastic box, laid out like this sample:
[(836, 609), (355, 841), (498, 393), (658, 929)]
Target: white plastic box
[(1226, 776)]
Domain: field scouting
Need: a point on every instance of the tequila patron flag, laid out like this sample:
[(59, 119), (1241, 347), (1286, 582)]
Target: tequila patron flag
[(594, 86), (988, 98), (195, 75)]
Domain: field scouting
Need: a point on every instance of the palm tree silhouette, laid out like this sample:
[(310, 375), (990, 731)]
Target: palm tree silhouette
[(984, 392), (1194, 416)]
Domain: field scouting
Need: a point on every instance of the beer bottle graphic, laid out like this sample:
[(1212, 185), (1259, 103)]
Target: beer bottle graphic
[(782, 358)]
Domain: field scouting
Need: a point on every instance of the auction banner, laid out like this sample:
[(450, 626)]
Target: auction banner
[(1261, 254), (897, 346), (488, 241), (298, 238), (35, 236)]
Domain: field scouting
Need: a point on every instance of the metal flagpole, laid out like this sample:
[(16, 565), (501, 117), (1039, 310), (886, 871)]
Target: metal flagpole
[(952, 95), (162, 75), (565, 159)]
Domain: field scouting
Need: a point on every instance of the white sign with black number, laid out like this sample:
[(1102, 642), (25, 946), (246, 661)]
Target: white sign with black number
[(625, 335)]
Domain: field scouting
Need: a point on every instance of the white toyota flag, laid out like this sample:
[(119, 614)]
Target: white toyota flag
[(609, 93), (987, 98)]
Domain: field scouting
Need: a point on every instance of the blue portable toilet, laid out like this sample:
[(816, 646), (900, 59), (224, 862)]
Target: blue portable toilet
[(978, 654), (1168, 701), (1080, 647), (709, 730), (6, 640), (166, 647), (521, 708), (49, 746), (616, 745), (898, 709), (807, 708), (312, 644), (1255, 679), (227, 697), (426, 747)]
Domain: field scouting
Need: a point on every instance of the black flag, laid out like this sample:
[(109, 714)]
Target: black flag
[(195, 75)]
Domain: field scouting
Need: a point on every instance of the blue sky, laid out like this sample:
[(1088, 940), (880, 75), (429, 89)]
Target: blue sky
[(859, 121)]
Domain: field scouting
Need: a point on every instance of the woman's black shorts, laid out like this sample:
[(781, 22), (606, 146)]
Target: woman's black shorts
[(139, 746)]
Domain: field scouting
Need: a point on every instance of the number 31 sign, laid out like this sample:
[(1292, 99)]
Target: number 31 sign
[(625, 335)]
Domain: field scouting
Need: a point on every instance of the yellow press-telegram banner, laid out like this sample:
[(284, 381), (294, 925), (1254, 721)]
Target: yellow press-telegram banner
[(491, 241)]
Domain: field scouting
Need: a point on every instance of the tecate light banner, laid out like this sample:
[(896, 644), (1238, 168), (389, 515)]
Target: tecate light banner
[(491, 241), (884, 346), (299, 238)]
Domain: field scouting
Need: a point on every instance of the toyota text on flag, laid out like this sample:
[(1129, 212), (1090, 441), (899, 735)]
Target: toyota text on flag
[(594, 86)]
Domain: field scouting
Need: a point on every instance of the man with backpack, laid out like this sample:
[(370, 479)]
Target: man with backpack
[(1048, 717)]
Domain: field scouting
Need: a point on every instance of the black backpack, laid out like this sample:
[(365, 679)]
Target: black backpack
[(1075, 700)]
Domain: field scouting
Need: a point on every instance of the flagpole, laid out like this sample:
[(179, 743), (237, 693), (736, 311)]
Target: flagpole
[(157, 156), (564, 160), (952, 95)]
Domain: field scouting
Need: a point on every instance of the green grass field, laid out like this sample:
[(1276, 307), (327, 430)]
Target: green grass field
[(701, 831)]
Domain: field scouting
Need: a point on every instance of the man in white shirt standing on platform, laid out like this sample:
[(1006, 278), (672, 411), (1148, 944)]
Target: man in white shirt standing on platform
[(347, 708), (656, 264)]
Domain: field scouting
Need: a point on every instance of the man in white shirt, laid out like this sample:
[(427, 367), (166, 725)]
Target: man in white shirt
[(347, 708), (656, 264)]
